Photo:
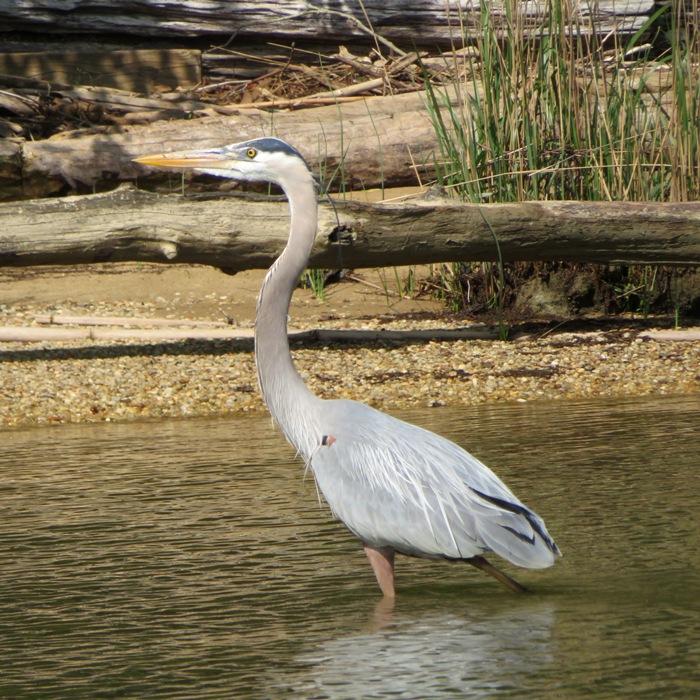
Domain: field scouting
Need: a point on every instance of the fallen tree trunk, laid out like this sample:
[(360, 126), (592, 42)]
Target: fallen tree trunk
[(237, 234), (25, 334), (29, 334), (377, 142), (373, 142), (417, 21), (130, 321)]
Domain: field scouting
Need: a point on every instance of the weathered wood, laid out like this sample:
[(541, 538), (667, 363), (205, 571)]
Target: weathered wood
[(376, 140), (380, 141), (27, 334), (239, 233), (137, 70), (686, 334), (18, 104), (33, 334), (412, 21), (121, 99), (38, 334), (64, 320), (11, 186)]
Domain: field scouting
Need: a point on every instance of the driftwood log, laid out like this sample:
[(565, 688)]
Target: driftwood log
[(26, 334), (380, 141), (411, 21), (237, 234), (384, 140)]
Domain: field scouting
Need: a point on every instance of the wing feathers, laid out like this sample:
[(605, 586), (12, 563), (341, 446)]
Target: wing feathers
[(395, 484), (534, 521)]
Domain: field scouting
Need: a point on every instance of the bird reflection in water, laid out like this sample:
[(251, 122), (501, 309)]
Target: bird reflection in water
[(481, 653)]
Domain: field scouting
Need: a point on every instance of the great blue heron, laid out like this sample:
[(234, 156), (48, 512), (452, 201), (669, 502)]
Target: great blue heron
[(397, 487)]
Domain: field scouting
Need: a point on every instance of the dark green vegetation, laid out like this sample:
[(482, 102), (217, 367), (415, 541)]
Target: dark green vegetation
[(545, 115)]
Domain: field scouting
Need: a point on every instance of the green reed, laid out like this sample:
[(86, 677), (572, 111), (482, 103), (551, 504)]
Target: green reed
[(543, 113)]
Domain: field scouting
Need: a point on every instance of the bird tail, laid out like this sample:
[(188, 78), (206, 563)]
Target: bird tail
[(517, 534)]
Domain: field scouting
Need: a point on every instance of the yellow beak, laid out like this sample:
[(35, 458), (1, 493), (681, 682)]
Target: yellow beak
[(184, 159)]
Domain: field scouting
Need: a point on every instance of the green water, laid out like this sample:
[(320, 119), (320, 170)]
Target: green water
[(192, 559)]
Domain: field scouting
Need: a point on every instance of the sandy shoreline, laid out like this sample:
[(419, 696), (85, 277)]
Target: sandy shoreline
[(80, 381)]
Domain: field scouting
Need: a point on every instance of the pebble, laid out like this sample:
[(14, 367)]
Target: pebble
[(90, 381)]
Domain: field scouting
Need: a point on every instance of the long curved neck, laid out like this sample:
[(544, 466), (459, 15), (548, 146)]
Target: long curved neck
[(291, 403)]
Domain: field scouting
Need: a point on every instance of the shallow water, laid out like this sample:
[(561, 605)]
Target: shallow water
[(191, 559)]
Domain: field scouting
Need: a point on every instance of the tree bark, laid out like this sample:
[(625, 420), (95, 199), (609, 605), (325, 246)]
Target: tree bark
[(26, 334), (411, 21), (381, 141), (377, 142), (237, 234)]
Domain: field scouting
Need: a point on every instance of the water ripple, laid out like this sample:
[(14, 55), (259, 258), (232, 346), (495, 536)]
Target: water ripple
[(192, 560)]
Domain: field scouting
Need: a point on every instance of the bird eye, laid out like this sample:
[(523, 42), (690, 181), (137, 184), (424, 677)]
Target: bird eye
[(251, 153)]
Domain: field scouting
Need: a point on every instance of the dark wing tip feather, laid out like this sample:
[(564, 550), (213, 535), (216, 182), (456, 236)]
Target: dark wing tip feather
[(524, 512)]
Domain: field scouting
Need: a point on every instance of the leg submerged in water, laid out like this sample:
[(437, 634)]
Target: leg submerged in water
[(382, 561), (484, 565)]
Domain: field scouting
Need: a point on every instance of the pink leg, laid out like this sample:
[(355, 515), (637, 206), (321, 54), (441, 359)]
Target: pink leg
[(382, 561)]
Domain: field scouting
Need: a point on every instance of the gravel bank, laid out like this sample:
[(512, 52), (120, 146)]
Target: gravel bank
[(108, 380), (80, 381)]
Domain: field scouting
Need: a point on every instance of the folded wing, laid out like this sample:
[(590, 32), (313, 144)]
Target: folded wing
[(395, 484)]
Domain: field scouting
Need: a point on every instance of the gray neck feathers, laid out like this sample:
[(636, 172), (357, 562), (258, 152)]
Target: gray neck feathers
[(291, 403)]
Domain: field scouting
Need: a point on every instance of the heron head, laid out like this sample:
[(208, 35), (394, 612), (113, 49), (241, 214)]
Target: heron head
[(265, 159)]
